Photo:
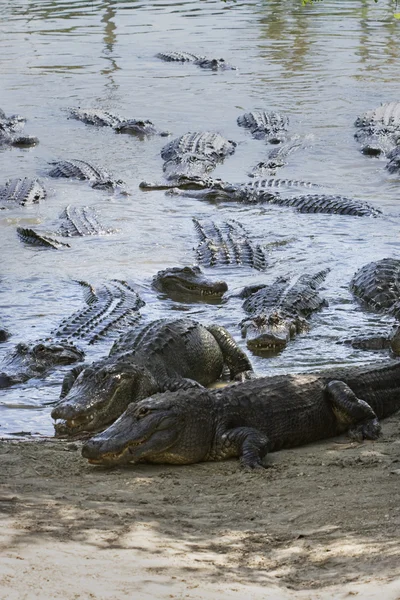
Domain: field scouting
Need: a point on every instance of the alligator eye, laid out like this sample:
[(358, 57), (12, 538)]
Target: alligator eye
[(142, 412), (40, 348)]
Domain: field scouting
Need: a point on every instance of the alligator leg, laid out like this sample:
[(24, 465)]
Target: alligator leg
[(236, 360), (69, 379), (351, 410), (248, 443)]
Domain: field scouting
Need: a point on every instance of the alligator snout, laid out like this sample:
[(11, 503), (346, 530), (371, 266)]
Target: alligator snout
[(6, 381)]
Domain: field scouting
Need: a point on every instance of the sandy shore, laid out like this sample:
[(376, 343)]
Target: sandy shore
[(322, 522)]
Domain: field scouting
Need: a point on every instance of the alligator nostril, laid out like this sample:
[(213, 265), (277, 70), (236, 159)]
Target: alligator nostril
[(89, 449)]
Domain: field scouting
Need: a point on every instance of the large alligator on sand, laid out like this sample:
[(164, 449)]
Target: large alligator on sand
[(22, 192), (378, 130), (195, 154), (10, 132), (188, 283), (164, 355), (263, 125), (214, 64), (227, 243), (103, 118), (279, 311), (250, 419), (257, 191), (98, 177)]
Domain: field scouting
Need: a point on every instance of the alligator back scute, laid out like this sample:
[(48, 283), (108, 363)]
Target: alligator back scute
[(329, 204), (22, 191), (377, 284), (77, 169), (271, 126), (207, 143), (32, 237), (94, 116), (79, 221)]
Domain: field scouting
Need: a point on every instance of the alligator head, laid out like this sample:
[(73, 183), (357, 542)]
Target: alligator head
[(271, 332), (35, 360), (180, 282), (99, 394), (173, 427)]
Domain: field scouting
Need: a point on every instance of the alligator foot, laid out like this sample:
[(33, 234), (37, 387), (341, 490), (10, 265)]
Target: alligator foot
[(350, 410)]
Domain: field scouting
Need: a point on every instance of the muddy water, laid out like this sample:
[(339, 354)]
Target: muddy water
[(320, 65)]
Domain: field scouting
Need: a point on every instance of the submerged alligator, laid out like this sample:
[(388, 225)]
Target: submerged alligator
[(257, 191), (263, 125), (183, 283), (164, 355), (103, 118), (10, 128), (201, 61), (279, 311), (98, 177), (76, 221), (250, 419), (226, 244), (377, 285), (109, 311), (21, 191), (388, 341), (378, 130), (278, 154), (195, 154)]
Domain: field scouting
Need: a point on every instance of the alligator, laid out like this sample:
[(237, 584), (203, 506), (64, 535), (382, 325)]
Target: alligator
[(269, 126), (278, 154), (103, 118), (195, 154), (192, 182), (164, 355), (214, 64), (21, 191), (278, 311), (4, 333), (226, 244), (9, 131), (393, 166), (188, 283), (257, 192), (378, 130), (377, 285), (80, 169), (33, 238), (386, 341), (37, 359), (250, 419), (79, 221)]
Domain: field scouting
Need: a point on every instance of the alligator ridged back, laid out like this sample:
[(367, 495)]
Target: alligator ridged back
[(78, 169), (22, 191), (261, 183), (378, 285), (323, 203), (387, 114), (206, 143), (178, 56), (264, 125), (29, 236), (226, 244), (94, 116), (81, 221)]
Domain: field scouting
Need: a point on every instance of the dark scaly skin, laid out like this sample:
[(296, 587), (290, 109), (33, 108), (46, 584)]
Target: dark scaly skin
[(10, 128), (37, 359), (214, 64), (390, 341), (263, 125), (249, 419), (393, 166), (161, 356), (21, 191), (278, 311), (31, 237), (377, 285), (378, 130), (183, 283), (80, 169), (79, 221)]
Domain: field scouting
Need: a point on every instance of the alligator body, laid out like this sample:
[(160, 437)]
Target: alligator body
[(257, 191), (79, 221), (279, 311), (163, 355), (389, 341), (200, 183), (250, 419), (21, 191), (227, 244), (195, 154), (188, 283), (80, 169), (277, 156), (269, 126), (393, 166), (214, 64), (10, 132), (33, 238), (37, 359), (103, 118), (377, 285), (378, 130)]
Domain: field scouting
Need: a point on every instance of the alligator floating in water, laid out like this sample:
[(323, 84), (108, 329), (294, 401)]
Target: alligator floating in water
[(250, 419), (227, 244), (377, 285), (214, 64), (378, 130), (33, 238), (21, 191), (195, 154), (257, 191), (4, 333), (37, 359), (277, 156), (10, 128), (188, 283), (103, 118), (279, 311), (388, 341), (263, 125), (163, 355), (98, 177)]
